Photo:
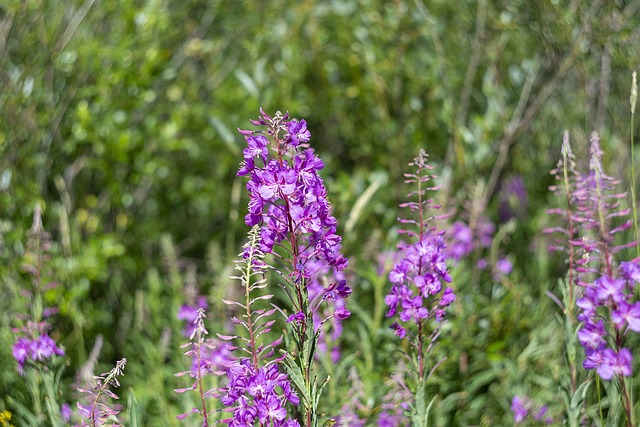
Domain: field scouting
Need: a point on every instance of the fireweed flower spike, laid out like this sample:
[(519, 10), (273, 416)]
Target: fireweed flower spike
[(417, 293), (96, 412), (608, 304), (255, 390), (288, 199), (33, 344)]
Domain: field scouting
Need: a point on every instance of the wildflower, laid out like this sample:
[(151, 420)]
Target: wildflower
[(296, 317), (592, 335), (460, 241), (287, 196), (297, 132), (33, 343), (420, 271), (258, 395), (609, 289), (523, 408), (288, 199), (615, 363), (608, 309), (519, 409), (627, 314), (630, 272), (65, 412), (96, 410), (337, 290), (504, 266)]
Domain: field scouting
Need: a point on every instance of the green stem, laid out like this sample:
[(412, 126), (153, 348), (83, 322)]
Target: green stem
[(633, 185)]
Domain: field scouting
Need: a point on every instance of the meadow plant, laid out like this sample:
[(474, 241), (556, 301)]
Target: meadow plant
[(288, 200), (598, 287), (36, 353), (97, 410), (525, 410), (33, 344), (291, 221), (417, 294)]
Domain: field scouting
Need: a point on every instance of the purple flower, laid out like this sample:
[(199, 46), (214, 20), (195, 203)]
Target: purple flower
[(256, 146), (258, 395), (630, 271), (519, 409), (297, 317), (627, 313), (540, 415), (412, 308), (589, 305), (609, 288), (276, 181), (38, 350), (20, 351), (399, 330), (523, 407), (65, 412), (341, 313), (44, 348), (447, 298), (298, 132), (615, 363), (594, 358), (429, 284), (287, 196), (421, 268), (592, 335), (460, 241), (337, 290), (504, 266)]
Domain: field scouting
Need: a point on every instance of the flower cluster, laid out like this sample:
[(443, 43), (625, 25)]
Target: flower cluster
[(258, 395), (255, 390), (608, 310), (38, 350), (287, 196), (609, 299), (422, 268), (524, 408)]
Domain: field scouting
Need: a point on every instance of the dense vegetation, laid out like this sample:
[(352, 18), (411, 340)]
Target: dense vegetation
[(118, 121)]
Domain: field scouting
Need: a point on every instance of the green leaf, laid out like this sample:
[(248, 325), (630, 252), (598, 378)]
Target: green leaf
[(133, 409), (297, 377), (24, 412)]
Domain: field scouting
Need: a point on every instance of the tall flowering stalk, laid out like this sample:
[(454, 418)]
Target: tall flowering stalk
[(288, 200), (98, 411), (36, 353), (605, 296), (417, 294), (255, 393), (33, 344)]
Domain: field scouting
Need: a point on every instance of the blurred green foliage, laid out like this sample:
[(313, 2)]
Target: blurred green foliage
[(119, 118)]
